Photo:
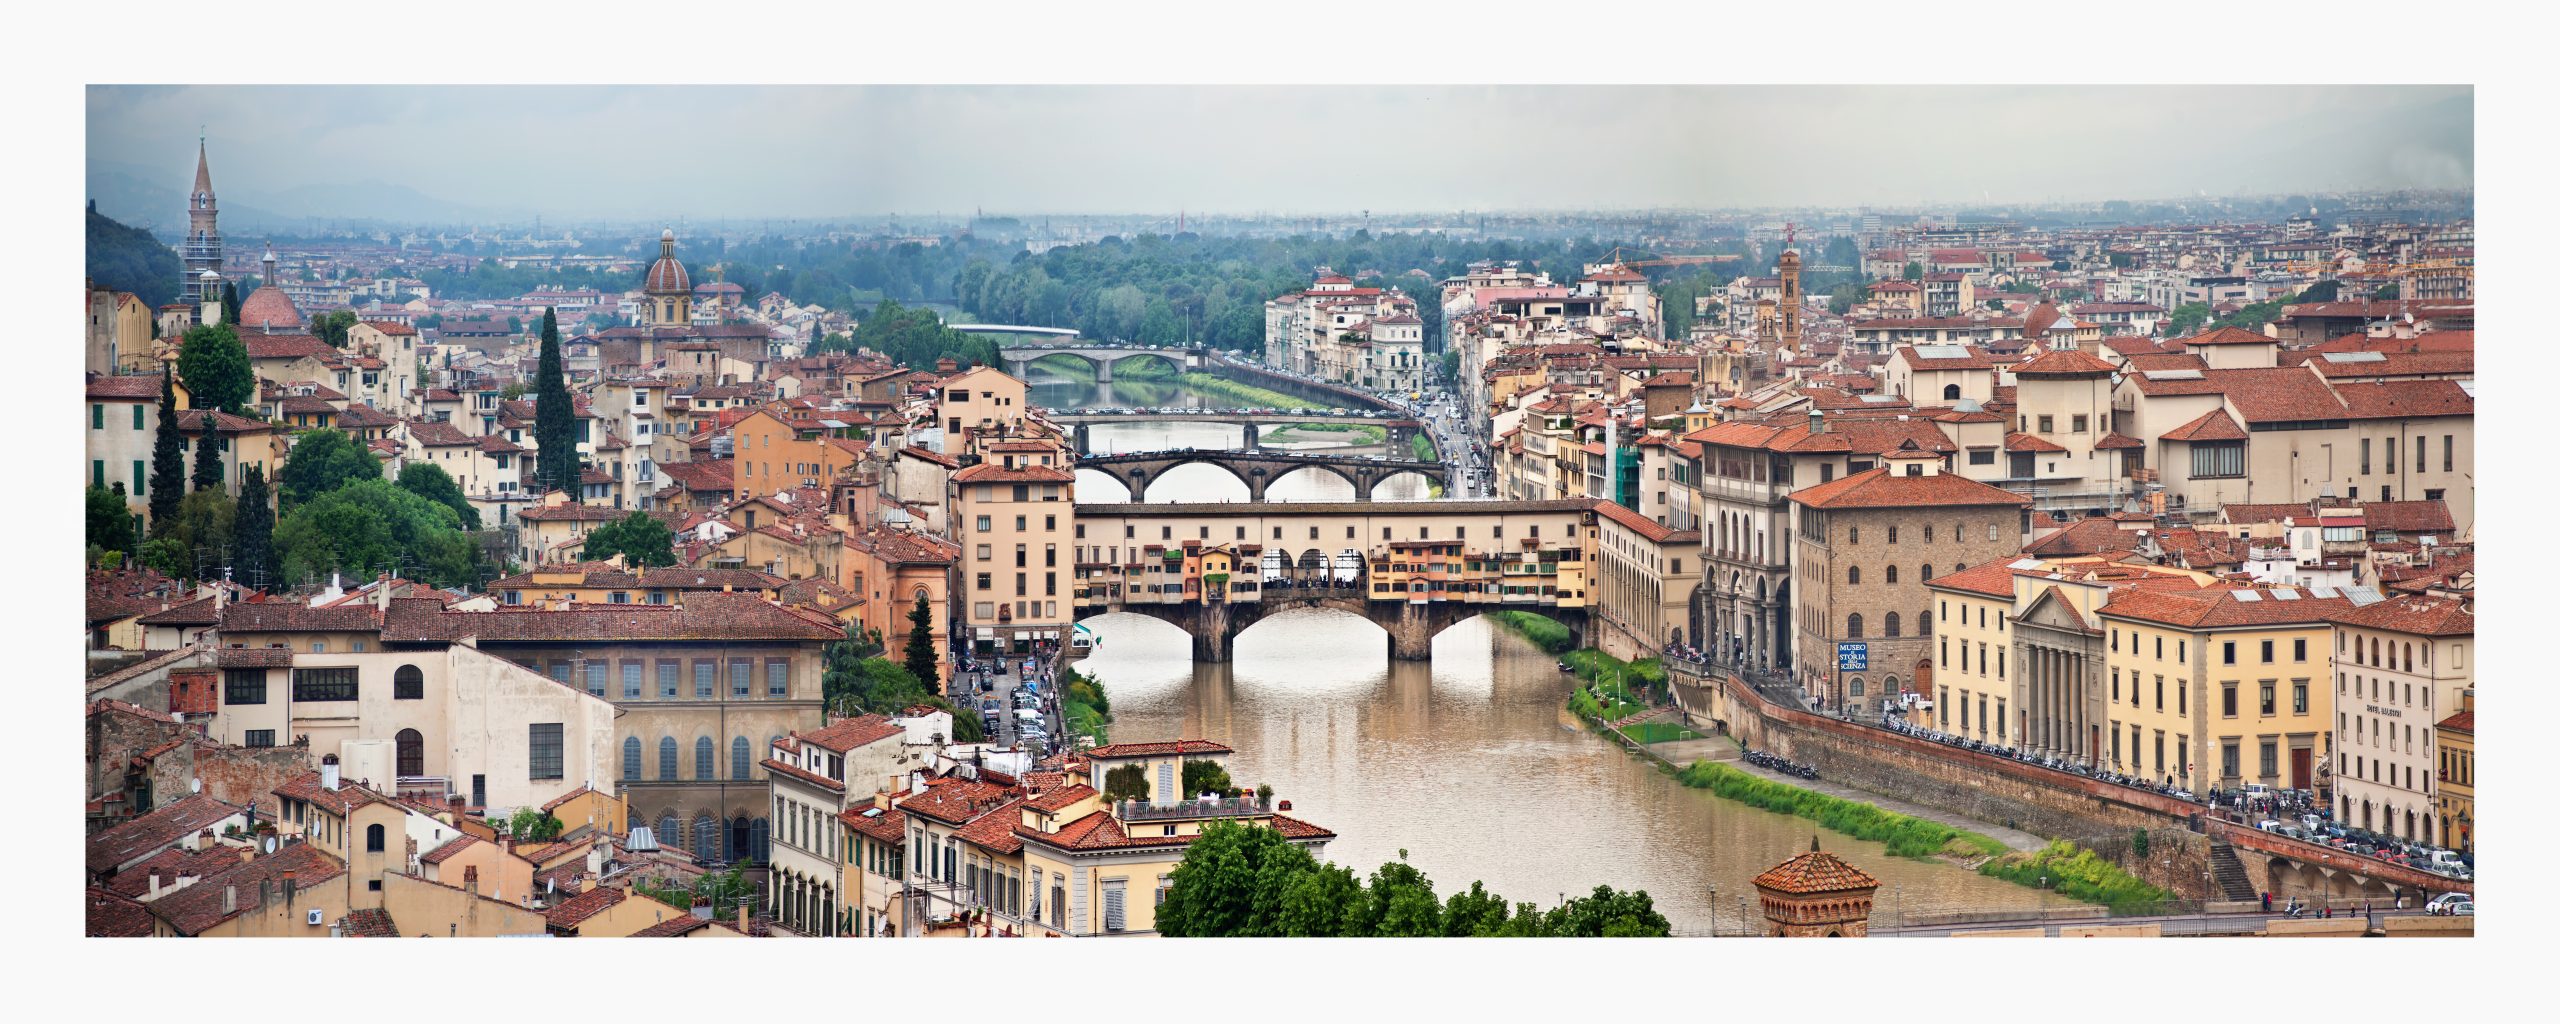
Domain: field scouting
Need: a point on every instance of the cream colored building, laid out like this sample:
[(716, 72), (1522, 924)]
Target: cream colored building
[(2219, 688), (2403, 666), (1015, 521)]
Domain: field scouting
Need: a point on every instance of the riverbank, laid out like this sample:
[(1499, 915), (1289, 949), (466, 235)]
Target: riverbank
[(1248, 394), (1084, 709), (1353, 434)]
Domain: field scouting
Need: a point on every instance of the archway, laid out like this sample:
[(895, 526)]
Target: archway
[(1094, 486), (1146, 366), (1200, 481), (1312, 483), (1352, 658), (1407, 485), (1070, 365)]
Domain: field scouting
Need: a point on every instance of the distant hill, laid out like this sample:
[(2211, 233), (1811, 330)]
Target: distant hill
[(128, 259), (159, 204)]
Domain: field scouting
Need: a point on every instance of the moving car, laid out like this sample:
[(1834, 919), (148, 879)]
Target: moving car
[(2442, 906)]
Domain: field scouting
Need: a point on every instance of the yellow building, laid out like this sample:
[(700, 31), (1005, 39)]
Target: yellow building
[(2219, 688), (1977, 614), (778, 449), (2454, 748), (592, 583)]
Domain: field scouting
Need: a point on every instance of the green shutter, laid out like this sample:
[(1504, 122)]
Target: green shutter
[(98, 474), (138, 476), (97, 416), (137, 417)]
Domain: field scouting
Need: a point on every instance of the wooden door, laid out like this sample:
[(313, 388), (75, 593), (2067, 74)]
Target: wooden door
[(2301, 768)]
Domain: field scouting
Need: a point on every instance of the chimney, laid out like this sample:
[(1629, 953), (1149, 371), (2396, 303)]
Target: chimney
[(382, 593), (230, 899), (288, 886), (155, 883), (471, 879), (329, 772)]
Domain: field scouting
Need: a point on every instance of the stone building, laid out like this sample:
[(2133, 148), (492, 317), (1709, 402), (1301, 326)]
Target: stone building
[(1816, 895), (1866, 547)]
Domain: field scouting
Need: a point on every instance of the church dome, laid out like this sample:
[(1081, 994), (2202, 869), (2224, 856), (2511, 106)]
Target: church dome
[(667, 276), (268, 309)]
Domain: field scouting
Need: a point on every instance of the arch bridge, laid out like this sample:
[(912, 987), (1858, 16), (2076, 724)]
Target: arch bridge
[(1400, 431), (1413, 568), (1019, 357), (1258, 469)]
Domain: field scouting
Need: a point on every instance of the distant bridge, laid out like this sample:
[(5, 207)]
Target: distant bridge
[(1399, 432), (1102, 356), (1021, 330), (1259, 469)]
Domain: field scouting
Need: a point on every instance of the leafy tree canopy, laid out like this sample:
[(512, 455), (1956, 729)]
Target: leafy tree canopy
[(215, 366), (639, 538), (323, 460), (430, 481), (127, 259), (371, 526)]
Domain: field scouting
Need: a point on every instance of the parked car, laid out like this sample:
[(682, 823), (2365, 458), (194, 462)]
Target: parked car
[(2441, 906)]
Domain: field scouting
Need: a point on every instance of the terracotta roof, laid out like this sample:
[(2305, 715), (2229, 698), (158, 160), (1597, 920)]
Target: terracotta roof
[(164, 826), (198, 907), (849, 734), (571, 912), (1059, 799), (1157, 749), (115, 916), (2459, 721), (1880, 488), (346, 798), (994, 830), (678, 926), (2018, 442), (130, 387), (703, 616), (450, 847), (1814, 872), (2212, 426), (2399, 516), (1630, 519), (957, 801), (2216, 609), (282, 617), (785, 768), (2397, 399), (368, 923), (988, 472), (2229, 336), (267, 307), (2412, 613), (889, 826), (2115, 440)]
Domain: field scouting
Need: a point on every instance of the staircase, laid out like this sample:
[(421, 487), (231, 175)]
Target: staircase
[(2228, 875)]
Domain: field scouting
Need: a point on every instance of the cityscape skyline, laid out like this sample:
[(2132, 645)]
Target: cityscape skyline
[(422, 153)]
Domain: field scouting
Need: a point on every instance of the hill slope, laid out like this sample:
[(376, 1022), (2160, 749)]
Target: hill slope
[(128, 259)]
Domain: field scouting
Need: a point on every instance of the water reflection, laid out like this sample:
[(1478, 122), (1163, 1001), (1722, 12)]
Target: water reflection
[(1468, 764)]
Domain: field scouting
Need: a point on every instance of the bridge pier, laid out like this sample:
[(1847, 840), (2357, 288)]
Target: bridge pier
[(1102, 370), (1084, 438)]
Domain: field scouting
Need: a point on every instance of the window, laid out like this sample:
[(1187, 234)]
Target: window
[(2302, 696), (706, 675), (631, 680), (1893, 624), (2079, 423), (2230, 652), (2364, 455), (542, 756), (1857, 626), (373, 839), (777, 678), (1927, 572), (2301, 649), (2267, 759), (2230, 759), (2267, 697), (706, 763), (244, 686), (631, 759), (666, 759), (597, 670), (1893, 574), (2230, 700), (324, 684), (409, 753), (98, 416), (258, 738), (2266, 651), (2211, 459), (1853, 575), (2044, 424), (1982, 457), (741, 758)]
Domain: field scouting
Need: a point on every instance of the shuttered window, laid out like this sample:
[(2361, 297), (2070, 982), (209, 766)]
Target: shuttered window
[(1115, 905)]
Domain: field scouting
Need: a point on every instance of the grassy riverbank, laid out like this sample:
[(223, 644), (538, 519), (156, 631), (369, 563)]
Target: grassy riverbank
[(1087, 710), (1247, 394), (1423, 450), (2081, 875), (1901, 834), (1550, 636), (1343, 433)]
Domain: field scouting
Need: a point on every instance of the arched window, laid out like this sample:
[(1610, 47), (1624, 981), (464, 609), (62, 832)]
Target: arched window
[(373, 839), (666, 759), (1893, 624), (410, 752), (670, 834), (1857, 626), (1857, 686), (1928, 534), (1959, 566), (1924, 623), (1853, 575), (631, 758), (2407, 660), (739, 761), (705, 764), (760, 840), (1951, 392), (1893, 574), (1927, 572), (1892, 686), (1853, 535), (407, 683), (2359, 648)]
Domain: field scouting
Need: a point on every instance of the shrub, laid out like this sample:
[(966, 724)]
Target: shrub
[(1550, 636), (2082, 875)]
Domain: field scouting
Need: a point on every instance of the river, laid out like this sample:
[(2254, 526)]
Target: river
[(1470, 766)]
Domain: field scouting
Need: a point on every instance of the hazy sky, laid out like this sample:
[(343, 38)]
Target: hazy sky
[(803, 151)]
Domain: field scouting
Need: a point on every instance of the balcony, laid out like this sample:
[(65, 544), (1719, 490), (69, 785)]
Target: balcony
[(1248, 806)]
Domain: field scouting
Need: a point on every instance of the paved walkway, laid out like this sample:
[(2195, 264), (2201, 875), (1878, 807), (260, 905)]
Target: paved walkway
[(2015, 839)]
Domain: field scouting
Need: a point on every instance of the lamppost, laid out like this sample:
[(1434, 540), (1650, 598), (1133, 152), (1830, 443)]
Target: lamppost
[(1711, 910)]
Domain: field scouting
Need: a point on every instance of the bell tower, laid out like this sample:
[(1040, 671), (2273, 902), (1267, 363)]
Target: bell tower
[(202, 251), (1791, 295)]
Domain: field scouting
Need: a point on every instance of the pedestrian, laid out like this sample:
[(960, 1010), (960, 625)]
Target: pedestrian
[(2266, 902)]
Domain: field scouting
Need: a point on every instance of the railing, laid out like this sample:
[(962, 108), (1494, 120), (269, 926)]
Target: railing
[(1237, 807)]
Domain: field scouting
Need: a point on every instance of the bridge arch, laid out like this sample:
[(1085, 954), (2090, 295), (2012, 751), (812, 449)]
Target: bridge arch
[(1409, 484), (1301, 482), (1065, 363)]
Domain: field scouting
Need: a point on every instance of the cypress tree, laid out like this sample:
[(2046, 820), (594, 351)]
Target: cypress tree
[(253, 527), (554, 415), (208, 458), (230, 303), (168, 462), (920, 654)]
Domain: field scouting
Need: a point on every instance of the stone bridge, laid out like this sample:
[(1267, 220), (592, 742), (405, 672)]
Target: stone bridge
[(1258, 469), (1400, 431), (1410, 625), (1103, 356)]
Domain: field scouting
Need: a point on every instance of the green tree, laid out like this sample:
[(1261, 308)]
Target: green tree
[(322, 461), (1607, 913), (1317, 903), (2188, 318), (230, 305), (1475, 912), (253, 528), (208, 471), (128, 259), (168, 462), (2386, 292), (370, 526), (332, 327), (214, 363), (1206, 777), (110, 520), (1911, 271), (202, 534), (641, 540), (430, 481), (1127, 782), (555, 416), (922, 660), (1398, 902)]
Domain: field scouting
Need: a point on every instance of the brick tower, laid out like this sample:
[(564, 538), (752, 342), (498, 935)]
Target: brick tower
[(1816, 895)]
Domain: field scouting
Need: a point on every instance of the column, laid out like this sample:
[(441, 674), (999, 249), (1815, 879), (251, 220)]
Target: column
[(2030, 696)]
